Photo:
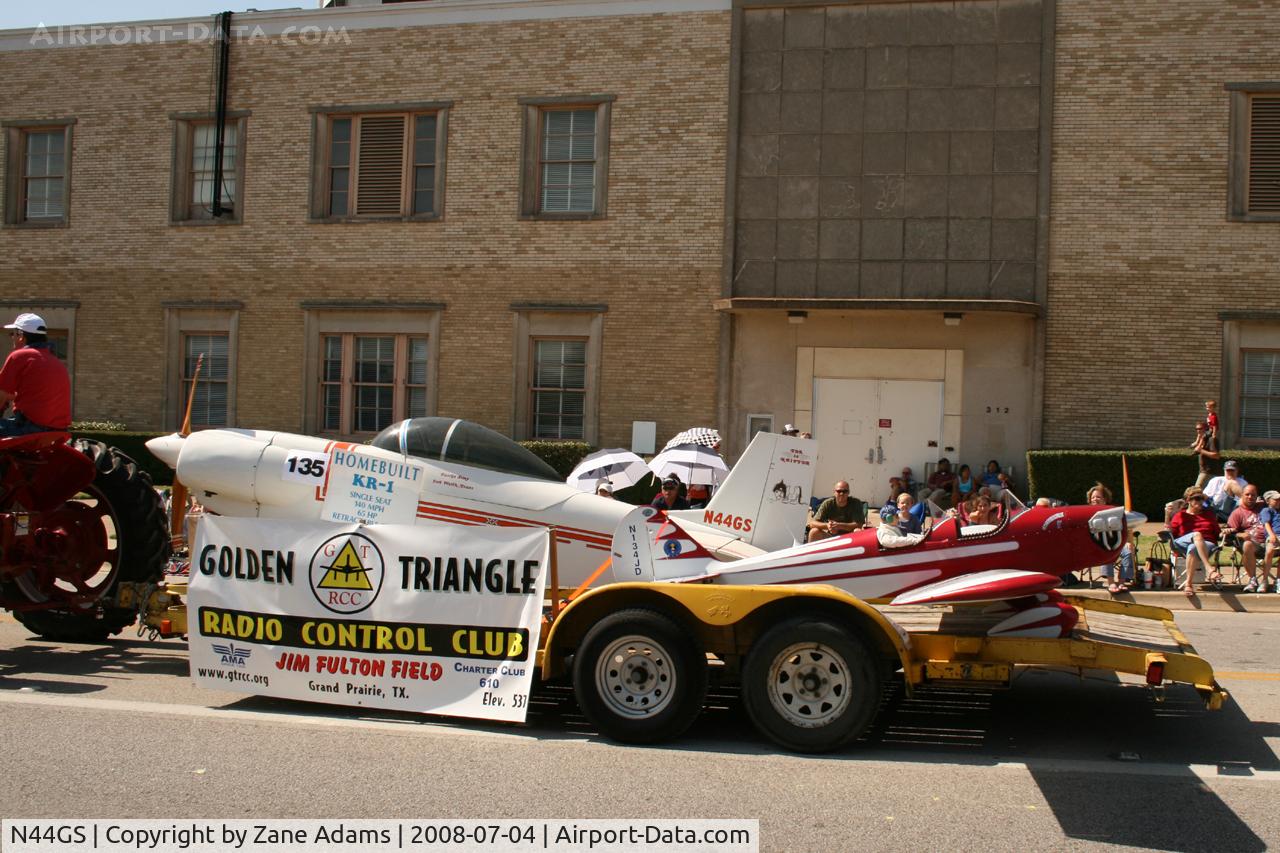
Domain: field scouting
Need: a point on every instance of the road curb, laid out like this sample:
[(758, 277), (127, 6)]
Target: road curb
[(1225, 600)]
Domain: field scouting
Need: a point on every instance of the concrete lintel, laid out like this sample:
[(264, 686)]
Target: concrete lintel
[(741, 304)]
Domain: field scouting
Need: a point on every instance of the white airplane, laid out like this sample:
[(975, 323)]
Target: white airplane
[(471, 475)]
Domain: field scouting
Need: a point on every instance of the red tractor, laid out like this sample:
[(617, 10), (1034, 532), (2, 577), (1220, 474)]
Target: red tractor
[(77, 519)]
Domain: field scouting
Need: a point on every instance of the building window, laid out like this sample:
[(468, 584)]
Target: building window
[(195, 152), (383, 165), (566, 159), (209, 351), (1254, 182), (368, 382), (369, 364), (37, 173), (557, 378), (558, 394), (1260, 396), (192, 330)]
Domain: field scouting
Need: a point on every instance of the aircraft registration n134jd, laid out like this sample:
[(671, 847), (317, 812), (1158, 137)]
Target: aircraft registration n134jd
[(466, 474)]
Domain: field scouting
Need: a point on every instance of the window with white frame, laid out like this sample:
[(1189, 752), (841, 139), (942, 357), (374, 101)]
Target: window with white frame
[(207, 377), (1260, 396), (566, 157), (37, 172), (557, 371), (201, 334), (558, 394)]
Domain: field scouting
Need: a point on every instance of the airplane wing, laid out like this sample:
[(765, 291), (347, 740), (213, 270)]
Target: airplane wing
[(994, 585)]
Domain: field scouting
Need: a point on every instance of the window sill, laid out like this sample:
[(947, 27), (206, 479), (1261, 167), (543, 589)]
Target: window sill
[(203, 223), (1253, 217), (364, 220), (37, 225), (562, 217)]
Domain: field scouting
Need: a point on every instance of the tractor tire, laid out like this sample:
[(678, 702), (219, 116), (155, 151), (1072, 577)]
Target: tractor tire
[(639, 678), (126, 498)]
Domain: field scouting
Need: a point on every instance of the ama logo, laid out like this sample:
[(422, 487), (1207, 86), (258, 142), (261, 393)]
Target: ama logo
[(231, 655), (346, 573)]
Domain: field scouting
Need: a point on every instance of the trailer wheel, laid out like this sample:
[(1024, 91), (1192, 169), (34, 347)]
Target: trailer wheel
[(639, 678), (810, 686), (122, 504)]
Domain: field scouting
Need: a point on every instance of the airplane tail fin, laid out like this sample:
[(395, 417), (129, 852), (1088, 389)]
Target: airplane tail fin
[(651, 546), (765, 499)]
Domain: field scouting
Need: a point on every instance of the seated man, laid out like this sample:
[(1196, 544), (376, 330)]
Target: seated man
[(1246, 524), (838, 514), (669, 497), (939, 485), (1223, 493), (34, 381)]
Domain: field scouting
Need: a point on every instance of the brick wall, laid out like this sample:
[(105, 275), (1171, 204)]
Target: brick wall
[(655, 261), (1142, 256)]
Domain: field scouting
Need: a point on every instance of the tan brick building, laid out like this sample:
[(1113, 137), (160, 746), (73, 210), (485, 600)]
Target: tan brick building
[(475, 209), (1160, 294)]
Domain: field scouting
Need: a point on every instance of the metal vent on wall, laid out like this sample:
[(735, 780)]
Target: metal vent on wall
[(1264, 155)]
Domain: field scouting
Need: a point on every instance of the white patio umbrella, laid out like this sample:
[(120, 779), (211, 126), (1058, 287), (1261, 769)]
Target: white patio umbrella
[(694, 464), (620, 467), (705, 436)]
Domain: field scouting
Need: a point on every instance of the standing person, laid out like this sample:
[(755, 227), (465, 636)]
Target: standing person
[(1195, 534), (1246, 523), (964, 486), (838, 514), (34, 381), (670, 497), (1270, 518), (1207, 453)]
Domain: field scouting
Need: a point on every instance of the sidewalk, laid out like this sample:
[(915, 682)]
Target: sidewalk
[(1231, 597)]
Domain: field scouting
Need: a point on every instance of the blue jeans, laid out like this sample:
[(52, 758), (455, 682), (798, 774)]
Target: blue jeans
[(1126, 565), (1184, 545), (18, 425)]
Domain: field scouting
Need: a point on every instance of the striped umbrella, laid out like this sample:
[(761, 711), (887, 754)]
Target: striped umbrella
[(704, 436), (620, 467), (694, 464)]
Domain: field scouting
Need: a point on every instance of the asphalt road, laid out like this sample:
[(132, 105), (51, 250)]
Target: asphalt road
[(1058, 762)]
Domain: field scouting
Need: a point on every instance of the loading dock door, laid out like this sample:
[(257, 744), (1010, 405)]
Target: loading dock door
[(868, 430)]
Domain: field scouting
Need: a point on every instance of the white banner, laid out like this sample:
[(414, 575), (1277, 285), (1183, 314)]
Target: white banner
[(431, 619)]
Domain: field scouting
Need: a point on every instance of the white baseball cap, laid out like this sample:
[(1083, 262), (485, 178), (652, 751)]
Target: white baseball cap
[(788, 429), (30, 323)]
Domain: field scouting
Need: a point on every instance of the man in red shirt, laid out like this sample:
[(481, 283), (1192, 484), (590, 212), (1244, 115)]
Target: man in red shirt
[(34, 381)]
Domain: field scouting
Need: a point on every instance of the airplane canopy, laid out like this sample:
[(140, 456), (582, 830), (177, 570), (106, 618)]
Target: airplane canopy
[(463, 442)]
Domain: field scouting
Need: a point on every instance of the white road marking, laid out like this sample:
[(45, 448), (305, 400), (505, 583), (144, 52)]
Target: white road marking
[(1203, 772)]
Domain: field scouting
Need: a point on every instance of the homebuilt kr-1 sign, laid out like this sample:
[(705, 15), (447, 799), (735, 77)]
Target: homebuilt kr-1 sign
[(439, 620)]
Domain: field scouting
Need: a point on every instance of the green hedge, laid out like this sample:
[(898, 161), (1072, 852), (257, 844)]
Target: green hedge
[(133, 445), (564, 456), (1155, 476)]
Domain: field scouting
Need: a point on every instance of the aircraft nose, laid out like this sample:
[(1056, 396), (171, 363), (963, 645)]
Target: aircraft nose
[(166, 448), (1106, 527)]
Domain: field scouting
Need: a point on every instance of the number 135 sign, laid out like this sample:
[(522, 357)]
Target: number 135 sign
[(301, 466)]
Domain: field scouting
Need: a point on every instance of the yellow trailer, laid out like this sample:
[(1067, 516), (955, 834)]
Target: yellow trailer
[(812, 661)]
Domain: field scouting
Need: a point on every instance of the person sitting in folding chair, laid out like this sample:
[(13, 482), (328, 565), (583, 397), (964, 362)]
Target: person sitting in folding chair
[(1195, 536)]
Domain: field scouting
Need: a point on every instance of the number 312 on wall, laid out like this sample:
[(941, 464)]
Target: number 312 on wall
[(997, 410)]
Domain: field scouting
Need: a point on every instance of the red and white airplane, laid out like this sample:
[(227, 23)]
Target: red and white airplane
[(467, 474)]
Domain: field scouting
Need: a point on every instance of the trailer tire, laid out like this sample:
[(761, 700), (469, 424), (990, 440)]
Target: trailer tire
[(810, 686), (639, 678), (136, 513)]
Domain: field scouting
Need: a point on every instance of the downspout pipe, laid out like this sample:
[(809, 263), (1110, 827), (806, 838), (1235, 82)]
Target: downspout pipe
[(220, 115)]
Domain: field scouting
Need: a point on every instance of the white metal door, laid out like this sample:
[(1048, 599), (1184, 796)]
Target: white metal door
[(868, 430)]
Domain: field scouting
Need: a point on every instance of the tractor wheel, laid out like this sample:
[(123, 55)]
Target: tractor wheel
[(639, 678), (121, 503), (810, 686)]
